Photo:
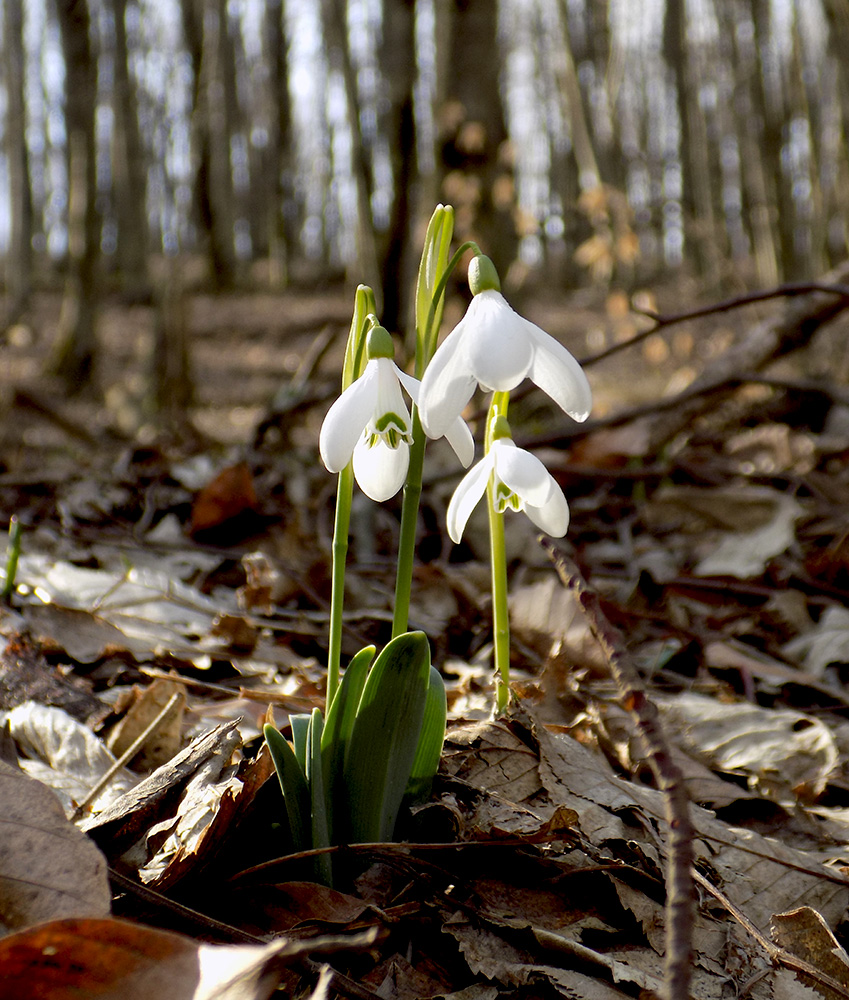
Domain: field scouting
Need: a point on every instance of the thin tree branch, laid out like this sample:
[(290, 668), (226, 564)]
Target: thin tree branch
[(680, 894), (662, 320)]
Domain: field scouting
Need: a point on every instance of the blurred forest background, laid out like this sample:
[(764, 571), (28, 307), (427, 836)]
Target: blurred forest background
[(273, 144)]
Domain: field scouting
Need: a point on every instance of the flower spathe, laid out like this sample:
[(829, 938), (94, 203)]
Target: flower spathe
[(371, 422), (496, 348), (521, 483)]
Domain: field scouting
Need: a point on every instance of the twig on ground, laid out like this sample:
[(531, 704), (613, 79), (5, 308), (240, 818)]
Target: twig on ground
[(680, 896), (127, 756), (778, 956)]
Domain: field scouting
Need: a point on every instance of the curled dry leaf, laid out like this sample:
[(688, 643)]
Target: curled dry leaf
[(48, 869)]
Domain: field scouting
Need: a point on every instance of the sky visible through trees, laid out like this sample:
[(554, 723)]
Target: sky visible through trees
[(641, 135)]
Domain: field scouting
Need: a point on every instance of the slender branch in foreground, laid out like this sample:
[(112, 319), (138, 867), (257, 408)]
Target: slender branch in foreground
[(680, 894)]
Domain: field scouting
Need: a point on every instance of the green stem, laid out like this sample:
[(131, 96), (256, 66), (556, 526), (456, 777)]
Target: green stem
[(498, 561), (409, 524), (12, 558), (344, 493)]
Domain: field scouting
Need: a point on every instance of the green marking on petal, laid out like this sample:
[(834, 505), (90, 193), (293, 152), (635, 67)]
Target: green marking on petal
[(504, 497)]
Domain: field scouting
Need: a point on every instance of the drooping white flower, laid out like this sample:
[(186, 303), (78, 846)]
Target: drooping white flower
[(371, 422), (496, 348), (521, 482)]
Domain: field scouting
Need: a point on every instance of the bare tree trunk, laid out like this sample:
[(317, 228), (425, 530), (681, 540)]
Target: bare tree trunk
[(837, 12), (129, 169), (749, 128), (772, 109), (283, 208), (477, 177), (19, 252), (694, 150), (334, 22), (205, 31), (398, 63), (74, 353)]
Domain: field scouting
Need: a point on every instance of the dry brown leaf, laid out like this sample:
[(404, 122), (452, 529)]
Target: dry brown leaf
[(48, 869), (805, 934), (117, 960), (164, 743), (784, 754)]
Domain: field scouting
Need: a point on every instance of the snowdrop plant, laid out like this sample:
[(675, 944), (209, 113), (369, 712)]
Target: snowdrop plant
[(346, 776)]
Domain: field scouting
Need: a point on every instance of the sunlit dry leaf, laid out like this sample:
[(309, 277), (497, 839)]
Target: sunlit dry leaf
[(827, 642), (784, 754), (119, 826), (66, 755), (117, 960), (745, 555), (48, 869), (198, 807), (546, 616)]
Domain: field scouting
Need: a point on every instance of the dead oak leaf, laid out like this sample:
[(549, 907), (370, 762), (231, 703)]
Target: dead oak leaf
[(48, 868)]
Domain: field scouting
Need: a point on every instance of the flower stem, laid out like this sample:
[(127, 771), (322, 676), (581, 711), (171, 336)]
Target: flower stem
[(409, 523), (498, 561), (344, 493)]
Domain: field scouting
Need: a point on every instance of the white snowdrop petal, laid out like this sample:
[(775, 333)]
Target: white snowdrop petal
[(380, 471), (465, 498), (553, 516), (498, 348), (460, 438), (346, 419), (522, 472), (412, 385), (447, 385), (388, 395), (558, 374)]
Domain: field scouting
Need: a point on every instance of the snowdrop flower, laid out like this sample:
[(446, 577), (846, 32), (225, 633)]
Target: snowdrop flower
[(521, 482), (371, 421), (494, 347)]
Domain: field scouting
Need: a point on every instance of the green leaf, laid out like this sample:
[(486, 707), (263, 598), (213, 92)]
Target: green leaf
[(318, 806), (431, 268), (337, 735), (296, 794), (385, 737), (431, 739), (364, 306), (300, 724)]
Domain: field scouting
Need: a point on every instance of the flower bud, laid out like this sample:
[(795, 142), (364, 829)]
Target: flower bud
[(482, 275), (379, 343)]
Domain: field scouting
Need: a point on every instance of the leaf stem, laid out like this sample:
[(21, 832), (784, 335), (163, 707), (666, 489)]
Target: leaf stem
[(12, 559), (344, 494), (498, 561), (409, 523)]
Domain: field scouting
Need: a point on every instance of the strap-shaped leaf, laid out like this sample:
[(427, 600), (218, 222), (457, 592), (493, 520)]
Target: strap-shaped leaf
[(337, 735), (296, 795), (300, 724), (385, 737), (318, 804), (431, 740)]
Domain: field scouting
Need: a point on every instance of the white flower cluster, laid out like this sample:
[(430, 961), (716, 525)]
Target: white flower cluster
[(491, 347)]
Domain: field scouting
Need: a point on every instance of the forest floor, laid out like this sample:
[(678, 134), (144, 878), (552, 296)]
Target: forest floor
[(174, 583)]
